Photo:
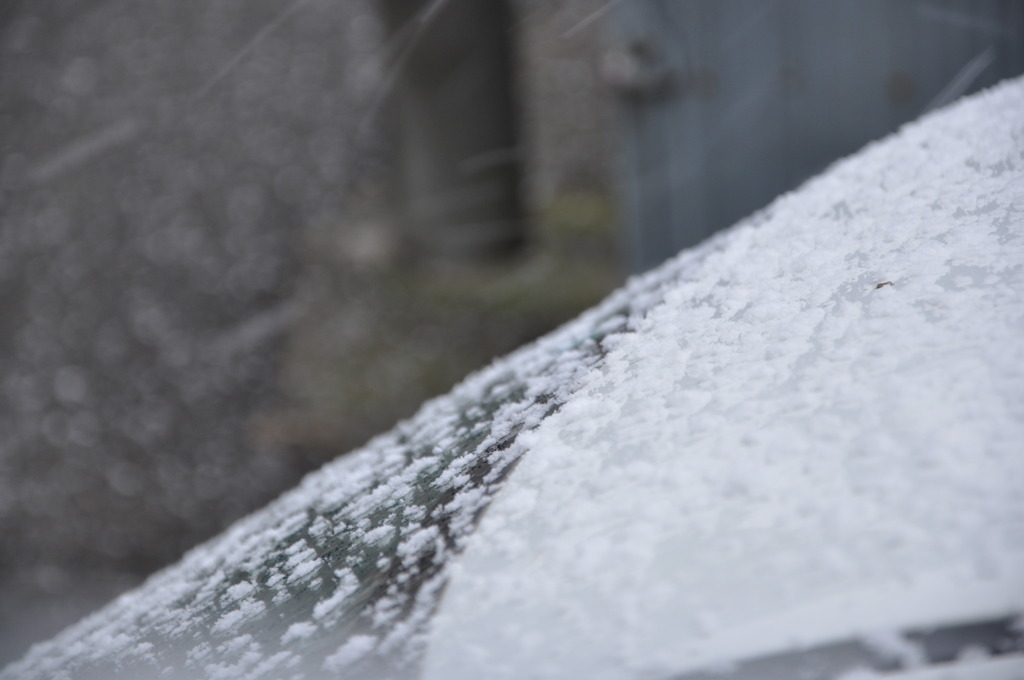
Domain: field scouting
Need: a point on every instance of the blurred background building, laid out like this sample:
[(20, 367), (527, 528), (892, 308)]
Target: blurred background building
[(205, 291), (239, 237)]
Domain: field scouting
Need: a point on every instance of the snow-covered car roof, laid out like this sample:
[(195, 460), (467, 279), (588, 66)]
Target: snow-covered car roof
[(807, 429)]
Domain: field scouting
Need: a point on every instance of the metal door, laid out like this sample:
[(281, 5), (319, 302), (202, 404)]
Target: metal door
[(728, 103)]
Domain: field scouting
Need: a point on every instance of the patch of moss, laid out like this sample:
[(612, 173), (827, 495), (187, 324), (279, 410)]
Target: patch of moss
[(576, 213), (381, 340)]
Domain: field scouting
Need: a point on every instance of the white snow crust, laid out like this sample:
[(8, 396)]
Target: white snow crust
[(818, 434), (774, 399)]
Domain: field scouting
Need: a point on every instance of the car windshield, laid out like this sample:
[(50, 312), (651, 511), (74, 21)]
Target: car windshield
[(742, 454)]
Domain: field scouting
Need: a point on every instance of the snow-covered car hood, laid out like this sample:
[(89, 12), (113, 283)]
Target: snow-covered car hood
[(818, 434), (759, 445)]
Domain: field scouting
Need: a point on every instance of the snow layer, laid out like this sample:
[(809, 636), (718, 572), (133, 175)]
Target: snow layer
[(775, 398), (817, 434)]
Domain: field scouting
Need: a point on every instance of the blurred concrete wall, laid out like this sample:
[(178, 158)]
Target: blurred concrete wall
[(158, 162), (568, 111)]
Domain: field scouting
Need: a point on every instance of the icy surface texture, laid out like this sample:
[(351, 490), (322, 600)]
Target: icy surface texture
[(819, 432), (768, 391), (347, 567)]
